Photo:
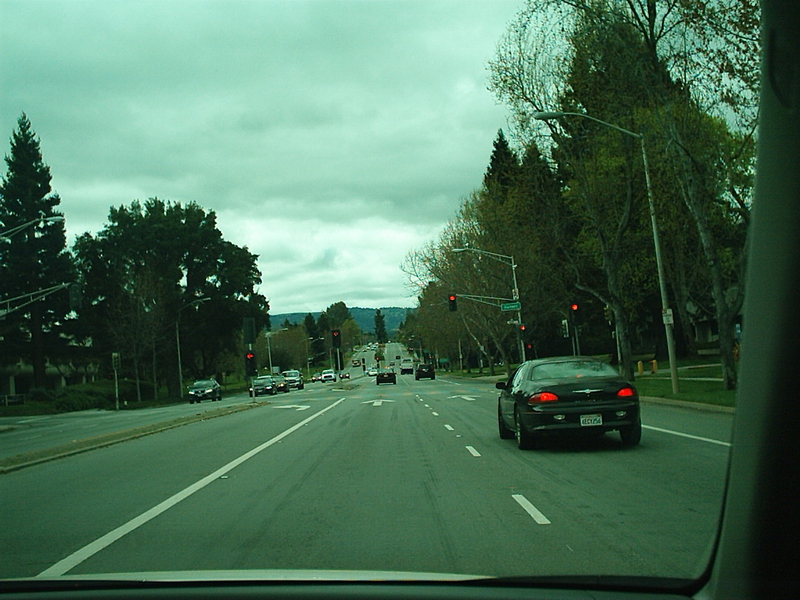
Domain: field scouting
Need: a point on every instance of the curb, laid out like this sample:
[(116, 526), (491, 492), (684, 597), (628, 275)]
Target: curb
[(30, 459), (690, 405)]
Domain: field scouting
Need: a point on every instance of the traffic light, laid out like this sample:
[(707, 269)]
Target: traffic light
[(574, 307), (564, 328), (522, 328), (336, 336), (250, 368), (451, 299)]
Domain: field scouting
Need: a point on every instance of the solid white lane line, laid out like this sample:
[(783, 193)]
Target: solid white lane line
[(473, 451), (449, 428), (687, 435), (531, 509), (76, 558)]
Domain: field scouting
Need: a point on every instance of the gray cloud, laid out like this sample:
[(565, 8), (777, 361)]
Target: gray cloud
[(330, 137)]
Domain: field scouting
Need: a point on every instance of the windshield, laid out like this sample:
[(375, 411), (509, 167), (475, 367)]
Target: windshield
[(340, 190)]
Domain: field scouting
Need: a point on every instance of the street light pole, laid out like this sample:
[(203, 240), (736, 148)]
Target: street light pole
[(178, 342), (509, 260), (666, 311)]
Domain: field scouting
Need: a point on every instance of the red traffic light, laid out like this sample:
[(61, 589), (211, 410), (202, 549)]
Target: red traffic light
[(451, 300), (250, 356), (574, 307), (522, 327)]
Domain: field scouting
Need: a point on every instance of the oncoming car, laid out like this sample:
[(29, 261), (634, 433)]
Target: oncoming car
[(205, 389), (263, 385), (328, 376), (294, 379), (281, 385), (573, 394)]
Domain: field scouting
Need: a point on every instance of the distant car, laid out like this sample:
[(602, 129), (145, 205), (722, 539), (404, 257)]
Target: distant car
[(356, 362), (263, 385), (344, 375), (406, 366), (372, 371), (386, 376), (203, 389), (294, 379), (573, 394), (424, 370), (316, 377), (328, 375), (281, 385)]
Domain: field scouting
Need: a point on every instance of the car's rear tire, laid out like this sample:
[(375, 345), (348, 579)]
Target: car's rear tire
[(631, 435), (525, 439), (505, 432)]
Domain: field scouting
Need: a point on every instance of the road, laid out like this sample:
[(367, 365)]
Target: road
[(406, 477)]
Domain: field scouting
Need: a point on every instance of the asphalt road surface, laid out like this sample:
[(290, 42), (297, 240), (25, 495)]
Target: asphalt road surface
[(406, 477)]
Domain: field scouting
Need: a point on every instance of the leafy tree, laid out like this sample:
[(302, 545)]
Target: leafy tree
[(337, 314), (670, 69), (35, 258), (162, 258), (351, 333)]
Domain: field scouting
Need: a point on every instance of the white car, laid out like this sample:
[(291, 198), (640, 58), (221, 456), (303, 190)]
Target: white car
[(328, 375)]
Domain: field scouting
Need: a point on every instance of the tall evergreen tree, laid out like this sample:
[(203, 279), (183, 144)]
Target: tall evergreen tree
[(380, 327), (35, 258), (503, 168)]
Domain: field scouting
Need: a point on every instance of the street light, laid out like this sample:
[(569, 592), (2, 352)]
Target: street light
[(178, 341), (509, 260), (268, 335), (666, 312)]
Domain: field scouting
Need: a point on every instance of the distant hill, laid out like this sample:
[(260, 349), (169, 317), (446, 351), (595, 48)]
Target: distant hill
[(365, 317)]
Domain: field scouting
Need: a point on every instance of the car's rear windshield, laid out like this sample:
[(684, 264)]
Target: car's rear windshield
[(572, 369), (202, 383)]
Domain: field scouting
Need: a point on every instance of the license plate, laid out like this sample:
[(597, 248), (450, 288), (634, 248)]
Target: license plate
[(591, 420)]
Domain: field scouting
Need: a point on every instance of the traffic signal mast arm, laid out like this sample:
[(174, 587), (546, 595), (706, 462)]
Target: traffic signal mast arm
[(490, 300), (31, 298)]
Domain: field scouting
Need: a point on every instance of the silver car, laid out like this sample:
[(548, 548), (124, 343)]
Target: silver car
[(294, 379)]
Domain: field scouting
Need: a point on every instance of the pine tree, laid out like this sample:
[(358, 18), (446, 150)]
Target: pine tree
[(380, 327), (35, 258)]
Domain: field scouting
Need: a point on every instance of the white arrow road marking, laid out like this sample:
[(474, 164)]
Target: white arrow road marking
[(376, 402), (531, 509), (297, 406), (467, 398)]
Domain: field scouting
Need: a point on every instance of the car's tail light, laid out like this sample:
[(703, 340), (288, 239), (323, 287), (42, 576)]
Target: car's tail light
[(626, 392), (542, 397)]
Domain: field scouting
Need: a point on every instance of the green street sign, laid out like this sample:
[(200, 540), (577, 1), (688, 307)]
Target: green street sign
[(511, 306)]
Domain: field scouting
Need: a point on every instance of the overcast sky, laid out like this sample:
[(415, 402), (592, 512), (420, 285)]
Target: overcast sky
[(330, 137)]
